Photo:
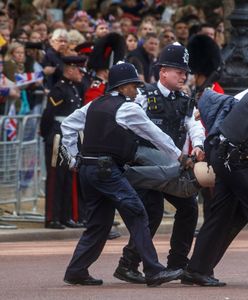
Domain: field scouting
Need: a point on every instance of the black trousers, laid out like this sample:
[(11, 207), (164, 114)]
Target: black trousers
[(182, 233), (102, 197), (228, 215), (58, 204)]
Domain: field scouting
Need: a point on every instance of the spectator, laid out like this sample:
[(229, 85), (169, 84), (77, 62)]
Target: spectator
[(5, 37), (166, 37), (20, 36), (41, 27), (101, 29), (182, 32), (34, 57), (15, 63), (126, 25), (14, 60), (52, 62), (116, 26), (144, 28), (145, 56), (219, 34), (81, 22), (5, 32), (131, 42), (7, 89), (208, 30), (75, 38), (25, 25)]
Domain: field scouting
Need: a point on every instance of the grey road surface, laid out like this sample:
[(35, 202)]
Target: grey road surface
[(34, 270)]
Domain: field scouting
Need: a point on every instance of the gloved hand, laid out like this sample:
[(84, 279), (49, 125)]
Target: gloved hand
[(186, 161), (72, 164), (65, 158)]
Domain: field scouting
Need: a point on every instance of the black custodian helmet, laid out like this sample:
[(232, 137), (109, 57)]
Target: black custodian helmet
[(107, 51), (175, 56), (205, 55), (122, 73)]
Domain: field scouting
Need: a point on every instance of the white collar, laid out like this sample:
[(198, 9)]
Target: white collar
[(163, 89)]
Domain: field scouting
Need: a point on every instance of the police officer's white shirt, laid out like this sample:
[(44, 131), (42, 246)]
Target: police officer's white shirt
[(129, 116), (240, 95), (195, 130)]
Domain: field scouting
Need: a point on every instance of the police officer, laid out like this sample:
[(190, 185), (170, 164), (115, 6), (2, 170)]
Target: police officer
[(110, 125), (228, 155), (106, 51), (172, 112), (63, 99)]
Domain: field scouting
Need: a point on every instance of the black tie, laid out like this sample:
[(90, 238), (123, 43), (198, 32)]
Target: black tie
[(172, 96)]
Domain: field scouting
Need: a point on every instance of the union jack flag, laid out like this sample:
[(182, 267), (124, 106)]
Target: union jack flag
[(11, 124), (27, 78)]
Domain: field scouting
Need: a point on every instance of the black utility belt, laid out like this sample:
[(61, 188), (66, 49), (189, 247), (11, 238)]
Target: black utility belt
[(232, 153), (101, 161)]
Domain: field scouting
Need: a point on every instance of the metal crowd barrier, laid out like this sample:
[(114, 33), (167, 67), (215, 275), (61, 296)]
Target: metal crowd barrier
[(21, 166)]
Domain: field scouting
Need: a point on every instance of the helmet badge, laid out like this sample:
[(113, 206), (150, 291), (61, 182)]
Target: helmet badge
[(186, 56)]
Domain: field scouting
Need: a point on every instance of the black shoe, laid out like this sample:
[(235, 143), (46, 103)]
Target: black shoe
[(73, 224), (54, 225), (84, 281), (128, 275), (164, 276), (191, 278), (113, 234)]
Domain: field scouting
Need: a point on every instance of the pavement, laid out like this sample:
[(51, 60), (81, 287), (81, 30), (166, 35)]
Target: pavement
[(14, 230), (29, 224)]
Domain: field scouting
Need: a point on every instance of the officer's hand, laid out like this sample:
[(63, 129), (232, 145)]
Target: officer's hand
[(197, 115), (186, 162), (72, 164), (198, 153)]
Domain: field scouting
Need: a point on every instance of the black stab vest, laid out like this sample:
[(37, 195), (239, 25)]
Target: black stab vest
[(235, 125), (167, 114), (103, 136)]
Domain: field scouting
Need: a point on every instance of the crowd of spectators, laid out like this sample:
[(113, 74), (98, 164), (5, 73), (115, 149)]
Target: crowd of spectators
[(34, 35)]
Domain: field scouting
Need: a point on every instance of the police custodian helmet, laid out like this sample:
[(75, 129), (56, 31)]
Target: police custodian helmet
[(122, 73), (174, 55)]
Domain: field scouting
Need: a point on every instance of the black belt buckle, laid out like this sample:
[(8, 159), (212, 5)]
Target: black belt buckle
[(104, 167)]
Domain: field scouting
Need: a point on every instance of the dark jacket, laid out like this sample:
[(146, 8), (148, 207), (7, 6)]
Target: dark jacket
[(62, 100), (52, 58), (142, 62), (213, 108)]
